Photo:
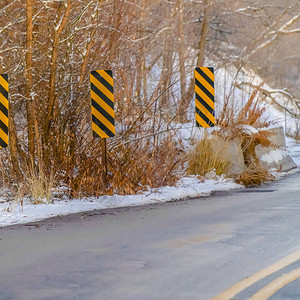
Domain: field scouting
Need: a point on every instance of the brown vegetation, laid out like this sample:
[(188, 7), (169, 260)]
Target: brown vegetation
[(232, 123), (207, 156), (253, 176), (48, 48)]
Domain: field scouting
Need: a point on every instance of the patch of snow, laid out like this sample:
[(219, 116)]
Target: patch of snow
[(247, 129), (187, 187), (294, 149), (275, 155)]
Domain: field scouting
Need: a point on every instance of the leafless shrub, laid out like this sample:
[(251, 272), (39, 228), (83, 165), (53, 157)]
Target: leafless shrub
[(251, 114), (133, 167)]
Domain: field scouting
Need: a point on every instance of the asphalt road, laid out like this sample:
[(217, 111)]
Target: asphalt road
[(235, 245)]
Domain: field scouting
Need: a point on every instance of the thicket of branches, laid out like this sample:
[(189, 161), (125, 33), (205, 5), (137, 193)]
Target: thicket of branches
[(49, 47)]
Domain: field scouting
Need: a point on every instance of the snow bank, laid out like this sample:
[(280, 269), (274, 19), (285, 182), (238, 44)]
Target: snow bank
[(187, 187)]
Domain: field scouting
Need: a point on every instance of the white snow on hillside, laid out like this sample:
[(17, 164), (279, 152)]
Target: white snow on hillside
[(294, 149), (238, 85), (227, 84)]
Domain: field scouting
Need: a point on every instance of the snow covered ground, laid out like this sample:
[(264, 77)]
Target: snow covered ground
[(187, 187), (294, 148)]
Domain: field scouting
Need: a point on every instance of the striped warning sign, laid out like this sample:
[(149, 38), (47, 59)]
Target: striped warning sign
[(3, 110), (103, 115), (205, 97)]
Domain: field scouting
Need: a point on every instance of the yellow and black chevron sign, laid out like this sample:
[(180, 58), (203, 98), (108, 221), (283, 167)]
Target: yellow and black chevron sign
[(205, 97), (103, 115), (3, 110)]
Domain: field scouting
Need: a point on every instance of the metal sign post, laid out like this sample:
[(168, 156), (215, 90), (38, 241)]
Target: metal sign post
[(104, 161)]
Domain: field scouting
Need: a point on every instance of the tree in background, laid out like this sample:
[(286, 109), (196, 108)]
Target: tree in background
[(48, 48)]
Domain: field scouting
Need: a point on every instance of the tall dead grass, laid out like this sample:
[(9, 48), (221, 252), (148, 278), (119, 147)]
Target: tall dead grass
[(234, 125), (207, 155), (39, 185), (230, 119), (253, 176)]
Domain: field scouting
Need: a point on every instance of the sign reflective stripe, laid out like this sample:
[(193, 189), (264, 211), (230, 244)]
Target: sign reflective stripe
[(204, 97), (102, 104), (4, 105)]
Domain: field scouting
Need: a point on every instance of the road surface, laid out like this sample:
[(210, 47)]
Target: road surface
[(237, 245)]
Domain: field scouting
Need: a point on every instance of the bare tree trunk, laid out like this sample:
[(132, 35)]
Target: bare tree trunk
[(141, 55), (204, 32), (166, 74), (181, 54), (145, 85), (201, 50), (89, 46), (114, 36), (28, 82), (52, 105), (139, 74), (13, 144)]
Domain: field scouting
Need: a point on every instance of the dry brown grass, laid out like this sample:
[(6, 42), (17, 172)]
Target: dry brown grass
[(232, 125), (207, 156), (132, 167), (39, 185), (230, 119), (138, 167), (232, 122), (254, 176)]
